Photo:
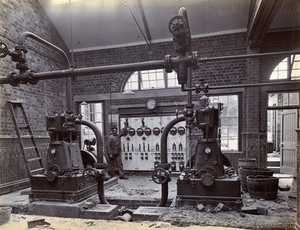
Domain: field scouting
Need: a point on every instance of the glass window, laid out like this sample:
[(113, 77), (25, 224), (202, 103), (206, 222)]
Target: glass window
[(283, 99), (280, 71), (288, 68), (133, 82), (229, 121), (91, 112), (295, 74), (172, 80), (151, 79)]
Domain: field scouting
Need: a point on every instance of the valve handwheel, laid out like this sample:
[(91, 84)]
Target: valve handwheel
[(177, 25), (3, 50), (160, 176), (89, 174)]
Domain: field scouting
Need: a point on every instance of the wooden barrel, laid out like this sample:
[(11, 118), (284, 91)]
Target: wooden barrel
[(244, 172), (247, 163), (263, 187)]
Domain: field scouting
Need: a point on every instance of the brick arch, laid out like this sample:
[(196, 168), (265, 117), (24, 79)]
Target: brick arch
[(146, 54), (277, 42), (117, 82), (128, 75), (268, 66)]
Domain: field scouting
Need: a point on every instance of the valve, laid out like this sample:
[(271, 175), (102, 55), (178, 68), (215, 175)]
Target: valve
[(53, 171), (160, 176), (3, 50), (177, 25), (90, 174)]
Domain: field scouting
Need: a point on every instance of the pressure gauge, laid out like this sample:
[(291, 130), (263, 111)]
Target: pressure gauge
[(53, 151), (151, 104), (207, 150)]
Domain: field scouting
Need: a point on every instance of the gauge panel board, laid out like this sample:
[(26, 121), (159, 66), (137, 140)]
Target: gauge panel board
[(142, 150)]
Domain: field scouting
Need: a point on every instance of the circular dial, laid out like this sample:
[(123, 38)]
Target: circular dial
[(151, 104)]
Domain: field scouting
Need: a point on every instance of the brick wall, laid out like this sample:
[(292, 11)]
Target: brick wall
[(218, 73), (16, 17)]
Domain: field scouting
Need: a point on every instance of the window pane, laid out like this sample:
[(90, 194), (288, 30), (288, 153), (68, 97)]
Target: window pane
[(273, 99), (152, 79), (293, 98), (280, 71), (172, 79), (283, 99), (229, 121), (92, 112)]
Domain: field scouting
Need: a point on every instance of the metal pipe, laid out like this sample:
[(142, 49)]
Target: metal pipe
[(242, 56), (293, 82), (100, 181), (98, 136), (164, 156), (28, 76), (100, 187), (26, 34), (24, 78)]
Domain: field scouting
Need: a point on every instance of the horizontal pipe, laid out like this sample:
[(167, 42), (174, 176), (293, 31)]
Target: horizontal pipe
[(244, 56), (25, 77), (277, 83)]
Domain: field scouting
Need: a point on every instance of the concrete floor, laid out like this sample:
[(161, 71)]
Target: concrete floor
[(139, 193)]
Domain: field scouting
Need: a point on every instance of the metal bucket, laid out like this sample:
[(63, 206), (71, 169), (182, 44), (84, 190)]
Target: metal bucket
[(263, 187), (5, 212), (244, 172)]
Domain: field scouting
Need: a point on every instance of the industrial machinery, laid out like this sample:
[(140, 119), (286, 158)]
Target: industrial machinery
[(69, 174), (208, 178)]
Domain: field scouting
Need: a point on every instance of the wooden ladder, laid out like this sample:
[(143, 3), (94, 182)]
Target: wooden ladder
[(30, 152)]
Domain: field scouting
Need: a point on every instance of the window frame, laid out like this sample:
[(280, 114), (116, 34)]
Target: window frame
[(90, 112), (238, 124), (140, 81), (289, 68)]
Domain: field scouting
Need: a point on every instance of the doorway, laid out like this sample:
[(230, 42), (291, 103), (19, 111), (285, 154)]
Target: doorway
[(282, 145)]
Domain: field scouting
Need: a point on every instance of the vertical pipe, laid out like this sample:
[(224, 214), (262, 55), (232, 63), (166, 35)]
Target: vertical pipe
[(96, 130), (164, 156), (26, 34), (98, 135)]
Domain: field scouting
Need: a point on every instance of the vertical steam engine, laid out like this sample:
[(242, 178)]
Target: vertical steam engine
[(64, 179), (208, 162), (210, 179), (64, 153)]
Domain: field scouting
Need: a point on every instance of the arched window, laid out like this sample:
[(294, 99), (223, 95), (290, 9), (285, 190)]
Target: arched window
[(288, 68), (151, 79)]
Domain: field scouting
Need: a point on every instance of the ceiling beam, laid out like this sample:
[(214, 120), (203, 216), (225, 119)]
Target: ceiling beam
[(138, 25), (261, 16), (146, 27)]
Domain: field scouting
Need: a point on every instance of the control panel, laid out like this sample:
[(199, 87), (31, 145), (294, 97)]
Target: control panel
[(141, 146)]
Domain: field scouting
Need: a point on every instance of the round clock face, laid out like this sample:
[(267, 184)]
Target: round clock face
[(151, 104)]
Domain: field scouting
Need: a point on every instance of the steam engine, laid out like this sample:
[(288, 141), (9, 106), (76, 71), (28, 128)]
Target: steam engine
[(210, 178), (64, 178)]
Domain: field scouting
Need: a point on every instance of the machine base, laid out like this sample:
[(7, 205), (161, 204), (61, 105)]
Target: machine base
[(69, 189), (226, 191)]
